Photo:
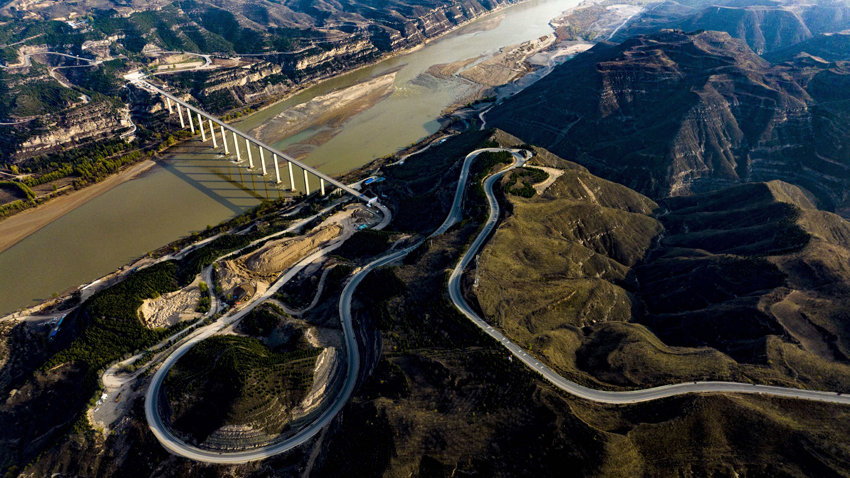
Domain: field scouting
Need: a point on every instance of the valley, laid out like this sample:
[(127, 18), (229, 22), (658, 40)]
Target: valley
[(604, 240)]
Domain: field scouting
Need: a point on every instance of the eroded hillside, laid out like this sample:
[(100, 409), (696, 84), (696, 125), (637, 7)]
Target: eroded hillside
[(615, 290), (672, 114)]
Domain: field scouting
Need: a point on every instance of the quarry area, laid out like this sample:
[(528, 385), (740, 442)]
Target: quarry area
[(171, 308), (244, 277)]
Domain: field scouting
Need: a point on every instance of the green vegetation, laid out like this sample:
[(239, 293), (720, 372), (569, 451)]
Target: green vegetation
[(485, 162), (123, 300), (527, 177), (16, 186), (484, 165), (260, 322), (108, 327), (387, 380), (104, 79), (365, 243), (486, 99), (237, 380), (204, 304), (33, 97), (423, 186), (41, 98), (92, 162), (90, 169), (14, 207), (383, 284)]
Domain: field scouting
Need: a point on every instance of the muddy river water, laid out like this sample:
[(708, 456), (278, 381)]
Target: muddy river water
[(195, 188)]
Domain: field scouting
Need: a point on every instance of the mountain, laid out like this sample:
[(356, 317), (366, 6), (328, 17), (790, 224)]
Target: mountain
[(826, 17), (762, 28), (671, 114), (765, 26), (614, 289), (827, 46), (256, 26)]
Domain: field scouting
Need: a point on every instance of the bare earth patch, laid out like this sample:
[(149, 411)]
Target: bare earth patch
[(508, 65), (554, 174), (330, 110), (172, 308)]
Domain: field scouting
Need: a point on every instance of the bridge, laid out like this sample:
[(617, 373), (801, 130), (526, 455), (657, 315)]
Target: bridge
[(234, 139)]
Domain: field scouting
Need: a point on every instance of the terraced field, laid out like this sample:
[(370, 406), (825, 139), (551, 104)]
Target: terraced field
[(246, 396)]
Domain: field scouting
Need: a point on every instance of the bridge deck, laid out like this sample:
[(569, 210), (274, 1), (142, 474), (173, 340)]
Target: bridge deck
[(357, 194)]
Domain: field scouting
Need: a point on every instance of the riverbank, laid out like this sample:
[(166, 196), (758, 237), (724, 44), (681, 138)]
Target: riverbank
[(20, 225), (489, 24), (16, 228), (325, 114), (195, 190)]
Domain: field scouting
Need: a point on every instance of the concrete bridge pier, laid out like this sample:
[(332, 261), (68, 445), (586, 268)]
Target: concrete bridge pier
[(168, 101), (180, 114), (322, 185), (191, 122), (306, 183), (224, 139), (263, 159), (212, 134), (236, 147), (201, 125), (250, 158), (276, 168), (291, 176)]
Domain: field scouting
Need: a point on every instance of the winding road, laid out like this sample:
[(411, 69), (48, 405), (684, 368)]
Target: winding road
[(601, 396), (178, 447), (27, 62)]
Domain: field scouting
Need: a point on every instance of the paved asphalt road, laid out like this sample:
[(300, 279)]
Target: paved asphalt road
[(353, 352), (602, 396), (175, 445)]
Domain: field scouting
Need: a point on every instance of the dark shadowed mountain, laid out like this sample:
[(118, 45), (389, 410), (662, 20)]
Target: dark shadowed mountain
[(763, 28), (671, 114), (765, 25), (827, 46)]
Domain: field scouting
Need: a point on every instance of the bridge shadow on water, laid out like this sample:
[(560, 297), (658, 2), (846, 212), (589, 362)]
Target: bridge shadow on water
[(198, 170)]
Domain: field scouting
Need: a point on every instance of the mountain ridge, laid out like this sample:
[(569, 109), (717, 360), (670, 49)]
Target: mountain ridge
[(673, 114)]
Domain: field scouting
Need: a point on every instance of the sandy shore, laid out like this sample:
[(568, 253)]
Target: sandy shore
[(329, 110), (16, 228)]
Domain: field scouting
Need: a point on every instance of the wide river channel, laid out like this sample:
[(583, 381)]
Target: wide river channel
[(193, 189)]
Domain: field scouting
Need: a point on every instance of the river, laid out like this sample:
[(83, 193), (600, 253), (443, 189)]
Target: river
[(195, 188)]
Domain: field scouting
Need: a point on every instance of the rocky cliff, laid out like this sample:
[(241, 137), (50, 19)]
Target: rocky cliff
[(80, 125), (331, 47), (672, 114), (764, 26)]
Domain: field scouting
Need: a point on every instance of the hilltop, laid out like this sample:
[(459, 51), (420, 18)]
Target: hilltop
[(672, 114), (742, 284), (827, 46), (764, 25)]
